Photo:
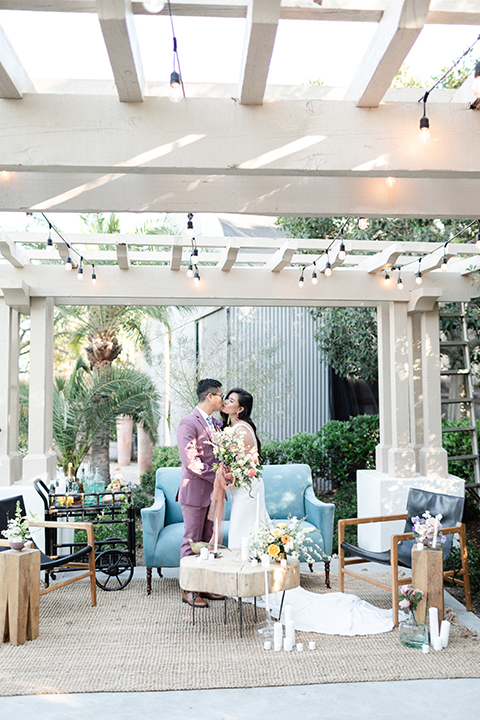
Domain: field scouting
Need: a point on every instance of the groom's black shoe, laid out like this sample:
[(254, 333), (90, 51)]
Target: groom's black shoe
[(212, 596), (192, 598)]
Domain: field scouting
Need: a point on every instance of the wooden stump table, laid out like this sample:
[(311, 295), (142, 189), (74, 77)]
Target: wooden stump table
[(231, 576), (427, 576), (19, 595)]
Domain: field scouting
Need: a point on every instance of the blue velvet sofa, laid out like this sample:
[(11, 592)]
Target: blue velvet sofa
[(288, 492)]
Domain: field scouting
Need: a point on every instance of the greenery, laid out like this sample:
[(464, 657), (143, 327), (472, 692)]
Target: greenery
[(87, 401)]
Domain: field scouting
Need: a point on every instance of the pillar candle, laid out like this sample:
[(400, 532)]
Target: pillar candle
[(204, 554), (277, 635), (245, 549), (290, 631), (288, 613), (287, 644), (254, 562), (283, 562), (267, 645), (444, 633), (311, 645), (299, 647), (437, 644), (425, 649), (433, 621), (211, 556), (266, 561), (215, 547)]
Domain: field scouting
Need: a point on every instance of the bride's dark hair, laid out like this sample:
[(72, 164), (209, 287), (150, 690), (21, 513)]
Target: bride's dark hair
[(245, 400)]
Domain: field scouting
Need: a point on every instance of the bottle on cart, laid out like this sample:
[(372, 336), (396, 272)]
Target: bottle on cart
[(61, 482), (89, 485), (99, 481), (81, 481), (72, 482)]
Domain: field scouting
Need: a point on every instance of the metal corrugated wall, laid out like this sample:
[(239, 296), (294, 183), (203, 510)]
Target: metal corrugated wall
[(303, 372)]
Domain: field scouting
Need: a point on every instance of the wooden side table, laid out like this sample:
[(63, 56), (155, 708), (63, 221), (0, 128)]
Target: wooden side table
[(229, 575), (427, 576), (19, 595)]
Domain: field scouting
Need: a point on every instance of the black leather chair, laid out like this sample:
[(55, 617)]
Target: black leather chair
[(399, 555), (53, 564)]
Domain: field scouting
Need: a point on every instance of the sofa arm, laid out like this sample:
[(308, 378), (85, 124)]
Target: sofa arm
[(153, 521), (321, 515)]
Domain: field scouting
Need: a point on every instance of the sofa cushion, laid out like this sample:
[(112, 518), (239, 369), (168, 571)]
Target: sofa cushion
[(285, 488)]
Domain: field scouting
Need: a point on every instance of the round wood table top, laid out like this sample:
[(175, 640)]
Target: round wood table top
[(231, 576)]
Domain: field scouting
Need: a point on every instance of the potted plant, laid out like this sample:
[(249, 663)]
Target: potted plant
[(17, 532)]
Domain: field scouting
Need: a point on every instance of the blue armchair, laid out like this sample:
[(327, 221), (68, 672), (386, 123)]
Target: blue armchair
[(288, 491)]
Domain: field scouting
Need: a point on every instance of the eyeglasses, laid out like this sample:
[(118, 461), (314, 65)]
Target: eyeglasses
[(217, 395)]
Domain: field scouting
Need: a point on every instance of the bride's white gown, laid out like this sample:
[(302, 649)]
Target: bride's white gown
[(329, 613)]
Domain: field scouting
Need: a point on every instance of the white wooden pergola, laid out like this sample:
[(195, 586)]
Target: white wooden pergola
[(259, 149)]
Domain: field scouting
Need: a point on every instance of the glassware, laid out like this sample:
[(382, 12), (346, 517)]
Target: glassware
[(412, 633)]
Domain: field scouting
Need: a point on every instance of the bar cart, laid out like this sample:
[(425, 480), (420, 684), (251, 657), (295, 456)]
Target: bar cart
[(114, 557)]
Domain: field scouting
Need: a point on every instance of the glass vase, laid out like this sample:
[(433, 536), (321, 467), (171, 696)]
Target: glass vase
[(412, 633)]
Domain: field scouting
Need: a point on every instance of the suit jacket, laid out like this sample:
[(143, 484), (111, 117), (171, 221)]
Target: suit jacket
[(197, 456)]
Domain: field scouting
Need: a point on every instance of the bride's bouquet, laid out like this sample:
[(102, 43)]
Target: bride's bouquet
[(229, 449), (285, 538)]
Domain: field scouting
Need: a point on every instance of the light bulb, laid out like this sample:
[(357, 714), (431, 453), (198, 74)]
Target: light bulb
[(476, 82), (30, 219), (314, 278), (68, 264), (424, 129), (50, 244), (390, 182), (362, 223), (196, 278), (301, 281), (444, 263), (190, 270), (328, 269), (418, 278), (94, 275), (400, 283), (153, 6), (176, 90), (387, 279), (342, 253), (80, 273)]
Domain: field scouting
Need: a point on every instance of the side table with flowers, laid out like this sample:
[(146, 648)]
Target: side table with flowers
[(411, 633), (17, 532), (285, 538)]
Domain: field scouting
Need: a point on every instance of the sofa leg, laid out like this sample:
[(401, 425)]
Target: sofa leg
[(310, 565), (149, 580), (159, 571), (327, 573)]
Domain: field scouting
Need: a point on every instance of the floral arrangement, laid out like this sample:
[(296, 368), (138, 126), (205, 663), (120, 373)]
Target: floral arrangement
[(17, 527), (229, 449), (285, 538), (118, 485), (424, 528), (408, 598)]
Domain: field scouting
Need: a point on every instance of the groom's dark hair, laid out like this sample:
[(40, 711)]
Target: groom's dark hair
[(206, 386)]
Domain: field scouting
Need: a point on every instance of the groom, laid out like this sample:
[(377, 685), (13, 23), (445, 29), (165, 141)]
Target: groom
[(197, 477)]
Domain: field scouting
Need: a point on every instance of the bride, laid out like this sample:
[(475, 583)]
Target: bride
[(329, 613)]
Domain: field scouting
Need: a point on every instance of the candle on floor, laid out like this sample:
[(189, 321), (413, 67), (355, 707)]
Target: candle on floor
[(277, 635), (267, 645), (290, 631), (299, 647), (437, 644), (266, 561), (245, 549), (215, 547), (444, 633), (288, 613), (311, 645), (425, 648), (433, 618), (287, 644)]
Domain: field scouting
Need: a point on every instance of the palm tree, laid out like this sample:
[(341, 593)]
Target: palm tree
[(89, 402)]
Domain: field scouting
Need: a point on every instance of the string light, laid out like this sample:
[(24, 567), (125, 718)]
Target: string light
[(30, 219), (424, 122), (301, 279), (387, 278), (444, 262), (399, 281), (190, 270), (328, 267), (49, 240), (362, 223), (68, 263), (177, 91), (190, 232), (80, 270), (94, 274), (314, 274), (418, 276), (196, 277)]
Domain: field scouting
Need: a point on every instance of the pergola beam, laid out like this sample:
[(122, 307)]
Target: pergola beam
[(123, 256), (15, 255), (260, 32), (14, 81), (282, 257), (119, 34), (381, 260), (228, 256), (397, 31)]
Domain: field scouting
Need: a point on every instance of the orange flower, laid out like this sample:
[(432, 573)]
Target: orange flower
[(252, 473), (286, 539), (273, 550)]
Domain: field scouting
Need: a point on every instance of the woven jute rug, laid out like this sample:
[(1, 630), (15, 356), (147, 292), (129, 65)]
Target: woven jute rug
[(131, 642)]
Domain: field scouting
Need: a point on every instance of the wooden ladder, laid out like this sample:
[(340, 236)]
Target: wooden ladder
[(467, 401)]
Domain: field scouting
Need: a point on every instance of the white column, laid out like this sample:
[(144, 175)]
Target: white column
[(416, 392), (401, 457), (10, 456), (433, 457), (384, 387), (41, 461)]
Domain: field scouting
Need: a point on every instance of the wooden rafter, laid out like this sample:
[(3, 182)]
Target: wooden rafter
[(260, 32), (14, 81)]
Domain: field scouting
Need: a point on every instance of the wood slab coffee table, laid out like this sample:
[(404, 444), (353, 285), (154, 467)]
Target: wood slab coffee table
[(231, 576)]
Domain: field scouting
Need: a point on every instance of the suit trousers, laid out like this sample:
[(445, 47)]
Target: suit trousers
[(197, 527)]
